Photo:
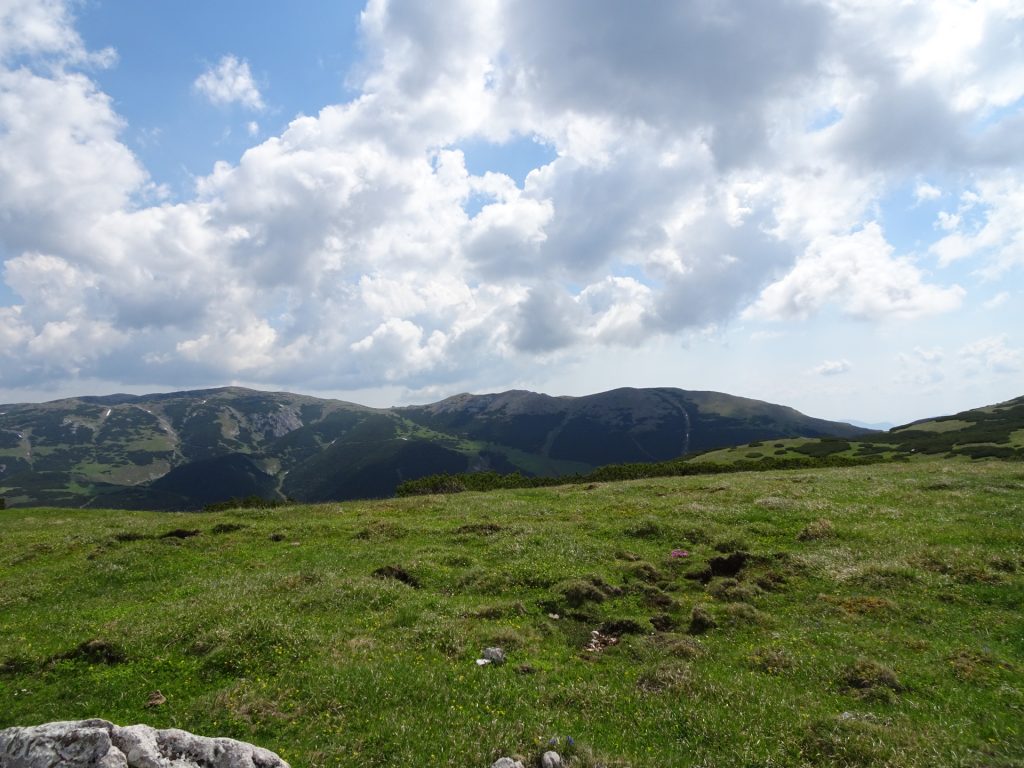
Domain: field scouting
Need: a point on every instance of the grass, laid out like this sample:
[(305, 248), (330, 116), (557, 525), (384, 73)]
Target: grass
[(875, 620)]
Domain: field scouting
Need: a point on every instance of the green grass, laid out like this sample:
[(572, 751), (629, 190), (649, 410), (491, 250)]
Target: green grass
[(949, 425), (876, 622)]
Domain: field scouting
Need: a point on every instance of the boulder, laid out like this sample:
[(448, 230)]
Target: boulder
[(551, 759), (101, 744), (506, 762)]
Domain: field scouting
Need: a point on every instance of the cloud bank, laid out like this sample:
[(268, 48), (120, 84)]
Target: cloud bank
[(711, 161)]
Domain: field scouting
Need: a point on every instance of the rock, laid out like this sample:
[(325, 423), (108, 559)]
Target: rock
[(506, 762), (550, 759), (494, 655), (101, 744)]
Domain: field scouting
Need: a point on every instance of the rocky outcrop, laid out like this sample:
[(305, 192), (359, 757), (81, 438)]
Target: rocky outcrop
[(101, 744)]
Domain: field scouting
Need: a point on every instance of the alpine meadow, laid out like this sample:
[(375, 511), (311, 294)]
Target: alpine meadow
[(512, 384)]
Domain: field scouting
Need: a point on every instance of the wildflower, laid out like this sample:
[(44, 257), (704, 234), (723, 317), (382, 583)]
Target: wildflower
[(679, 553)]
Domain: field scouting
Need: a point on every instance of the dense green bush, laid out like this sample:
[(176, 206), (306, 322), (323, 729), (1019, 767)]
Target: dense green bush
[(489, 481), (249, 502)]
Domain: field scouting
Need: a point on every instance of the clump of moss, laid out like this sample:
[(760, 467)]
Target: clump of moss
[(870, 679), (579, 592), (743, 613), (648, 528), (733, 591), (701, 620), (670, 676), (771, 660), (819, 529)]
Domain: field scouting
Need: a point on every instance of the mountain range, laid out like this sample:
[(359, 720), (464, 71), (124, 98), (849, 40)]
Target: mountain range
[(185, 450)]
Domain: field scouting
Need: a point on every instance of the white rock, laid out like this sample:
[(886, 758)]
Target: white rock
[(506, 762), (101, 744), (494, 655), (551, 759)]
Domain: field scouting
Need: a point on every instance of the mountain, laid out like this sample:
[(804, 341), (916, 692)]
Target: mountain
[(993, 431), (183, 450)]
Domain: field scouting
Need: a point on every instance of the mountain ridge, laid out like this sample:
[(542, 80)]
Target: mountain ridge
[(138, 450)]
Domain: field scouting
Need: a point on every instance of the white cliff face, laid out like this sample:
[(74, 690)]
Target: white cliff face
[(101, 744)]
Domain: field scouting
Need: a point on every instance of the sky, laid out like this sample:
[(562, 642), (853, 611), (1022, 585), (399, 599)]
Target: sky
[(818, 203)]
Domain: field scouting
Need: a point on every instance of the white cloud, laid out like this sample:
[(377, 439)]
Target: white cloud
[(859, 272), (924, 191), (832, 368), (997, 301), (993, 354), (989, 226), (230, 82), (352, 248)]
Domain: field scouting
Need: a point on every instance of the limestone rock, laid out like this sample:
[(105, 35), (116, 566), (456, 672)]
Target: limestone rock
[(101, 744), (506, 762), (494, 655), (551, 759)]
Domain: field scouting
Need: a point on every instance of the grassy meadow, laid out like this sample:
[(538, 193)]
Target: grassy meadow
[(864, 616)]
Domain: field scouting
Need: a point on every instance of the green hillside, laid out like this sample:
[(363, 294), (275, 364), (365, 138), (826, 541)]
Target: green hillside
[(184, 450), (995, 431), (866, 616)]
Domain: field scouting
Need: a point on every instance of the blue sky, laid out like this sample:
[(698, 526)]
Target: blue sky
[(817, 203)]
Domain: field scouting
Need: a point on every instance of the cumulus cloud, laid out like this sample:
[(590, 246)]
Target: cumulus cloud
[(925, 191), (692, 181), (832, 367), (230, 82), (993, 354), (859, 273), (989, 225)]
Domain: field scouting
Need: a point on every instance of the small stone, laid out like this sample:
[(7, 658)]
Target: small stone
[(506, 762), (554, 616), (482, 662), (551, 759), (494, 655)]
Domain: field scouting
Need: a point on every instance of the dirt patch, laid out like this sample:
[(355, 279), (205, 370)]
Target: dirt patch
[(479, 529), (398, 573), (180, 533), (126, 536), (620, 627), (94, 652), (664, 622), (226, 528), (728, 565)]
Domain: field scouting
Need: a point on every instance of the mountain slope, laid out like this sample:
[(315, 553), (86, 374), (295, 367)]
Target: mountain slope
[(993, 431), (623, 425), (187, 449)]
